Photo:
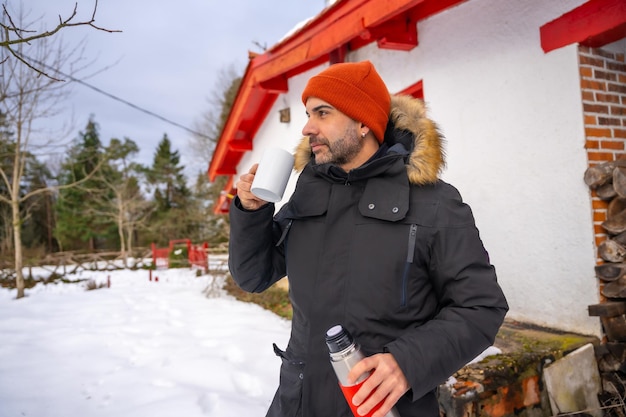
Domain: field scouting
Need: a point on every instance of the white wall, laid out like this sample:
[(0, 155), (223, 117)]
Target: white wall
[(512, 116)]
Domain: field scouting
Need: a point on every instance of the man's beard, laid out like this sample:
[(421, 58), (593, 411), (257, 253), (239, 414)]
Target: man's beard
[(342, 150)]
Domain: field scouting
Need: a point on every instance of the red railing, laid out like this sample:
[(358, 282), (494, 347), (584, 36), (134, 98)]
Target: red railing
[(197, 255)]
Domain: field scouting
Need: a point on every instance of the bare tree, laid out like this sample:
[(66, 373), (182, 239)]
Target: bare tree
[(28, 97), (212, 121), (210, 226), (13, 34), (122, 200)]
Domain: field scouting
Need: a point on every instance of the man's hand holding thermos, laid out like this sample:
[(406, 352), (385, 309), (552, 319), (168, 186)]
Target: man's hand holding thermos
[(371, 385)]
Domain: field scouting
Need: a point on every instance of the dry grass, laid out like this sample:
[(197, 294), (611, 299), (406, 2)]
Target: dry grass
[(275, 298), (614, 398)]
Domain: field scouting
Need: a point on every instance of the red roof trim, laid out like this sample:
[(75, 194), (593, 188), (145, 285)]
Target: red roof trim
[(222, 205), (346, 25), (347, 21), (595, 23), (251, 106), (415, 90)]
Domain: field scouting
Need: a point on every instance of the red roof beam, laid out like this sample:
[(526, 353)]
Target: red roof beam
[(251, 103), (230, 128), (240, 145), (226, 195), (399, 34), (348, 21), (228, 165), (429, 8), (595, 23)]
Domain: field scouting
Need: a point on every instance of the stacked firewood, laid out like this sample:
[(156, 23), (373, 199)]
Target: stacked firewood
[(609, 182)]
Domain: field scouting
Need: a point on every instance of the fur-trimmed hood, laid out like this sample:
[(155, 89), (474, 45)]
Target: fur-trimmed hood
[(410, 127)]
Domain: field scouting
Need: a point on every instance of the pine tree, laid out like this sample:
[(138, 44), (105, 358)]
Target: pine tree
[(208, 227), (166, 175), (171, 195), (78, 224), (38, 227)]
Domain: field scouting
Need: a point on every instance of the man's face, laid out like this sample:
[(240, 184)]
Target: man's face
[(333, 136)]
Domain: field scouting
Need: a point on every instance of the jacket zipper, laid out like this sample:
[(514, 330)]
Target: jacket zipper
[(409, 260), (284, 235)]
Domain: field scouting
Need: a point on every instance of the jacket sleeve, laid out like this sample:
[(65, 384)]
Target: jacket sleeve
[(254, 260), (471, 304)]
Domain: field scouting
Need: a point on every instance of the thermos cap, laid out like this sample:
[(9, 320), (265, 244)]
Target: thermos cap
[(338, 339)]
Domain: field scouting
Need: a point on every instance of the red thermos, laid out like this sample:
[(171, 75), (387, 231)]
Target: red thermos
[(344, 354)]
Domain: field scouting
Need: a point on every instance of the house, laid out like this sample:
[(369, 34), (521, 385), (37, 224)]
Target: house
[(529, 94)]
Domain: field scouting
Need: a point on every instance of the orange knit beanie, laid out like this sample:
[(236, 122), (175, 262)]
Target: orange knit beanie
[(356, 90)]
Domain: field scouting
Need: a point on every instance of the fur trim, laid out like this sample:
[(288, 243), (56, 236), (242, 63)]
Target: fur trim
[(302, 154), (427, 156)]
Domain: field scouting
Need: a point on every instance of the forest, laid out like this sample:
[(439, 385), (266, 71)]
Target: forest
[(89, 194), (98, 198)]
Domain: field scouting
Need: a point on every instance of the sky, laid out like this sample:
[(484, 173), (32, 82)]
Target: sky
[(139, 347), (166, 59)]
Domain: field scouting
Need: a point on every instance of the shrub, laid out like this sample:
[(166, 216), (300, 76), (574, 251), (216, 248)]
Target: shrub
[(178, 257), (274, 298)]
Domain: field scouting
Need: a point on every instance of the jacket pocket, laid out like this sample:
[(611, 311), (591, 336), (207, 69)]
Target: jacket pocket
[(288, 399)]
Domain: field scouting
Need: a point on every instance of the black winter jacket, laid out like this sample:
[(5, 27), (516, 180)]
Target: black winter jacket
[(387, 250)]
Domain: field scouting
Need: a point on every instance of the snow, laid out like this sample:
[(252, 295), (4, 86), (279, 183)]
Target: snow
[(490, 351), (139, 348)]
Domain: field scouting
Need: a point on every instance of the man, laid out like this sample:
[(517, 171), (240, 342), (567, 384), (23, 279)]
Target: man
[(373, 240)]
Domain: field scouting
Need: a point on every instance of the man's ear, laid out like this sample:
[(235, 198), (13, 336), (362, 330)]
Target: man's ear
[(364, 130)]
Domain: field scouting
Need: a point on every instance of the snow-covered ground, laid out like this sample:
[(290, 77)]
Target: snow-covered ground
[(139, 348)]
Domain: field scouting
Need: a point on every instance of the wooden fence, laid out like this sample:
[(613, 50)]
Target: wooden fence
[(69, 262)]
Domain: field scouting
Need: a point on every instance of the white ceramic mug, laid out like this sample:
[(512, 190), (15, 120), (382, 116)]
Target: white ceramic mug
[(272, 175)]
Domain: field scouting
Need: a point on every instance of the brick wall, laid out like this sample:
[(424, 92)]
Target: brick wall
[(603, 87)]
